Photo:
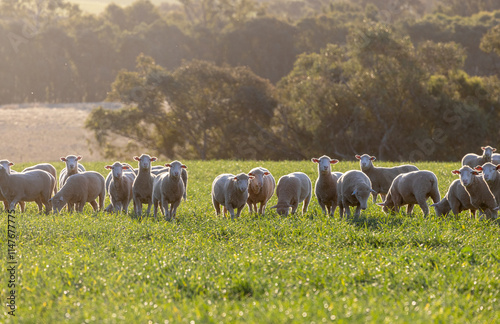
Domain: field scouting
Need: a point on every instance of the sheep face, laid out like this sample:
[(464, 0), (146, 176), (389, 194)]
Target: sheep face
[(488, 152), (175, 169), (440, 207), (467, 175), (324, 164), (387, 206), (6, 164), (365, 161), (490, 171), (241, 181), (145, 161), (57, 204), (362, 196), (257, 182), (71, 163)]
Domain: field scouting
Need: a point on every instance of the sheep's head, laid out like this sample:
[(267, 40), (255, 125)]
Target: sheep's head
[(257, 182), (488, 152), (71, 163), (145, 161), (467, 175), (282, 209), (490, 171), (365, 161), (387, 206), (117, 169), (324, 163), (175, 169), (442, 207), (58, 203), (362, 194), (241, 181), (6, 164)]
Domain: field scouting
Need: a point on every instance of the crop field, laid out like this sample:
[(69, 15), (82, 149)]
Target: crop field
[(108, 268)]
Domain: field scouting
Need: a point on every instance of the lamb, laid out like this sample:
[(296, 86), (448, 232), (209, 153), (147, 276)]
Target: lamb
[(260, 189), (168, 189), (160, 169), (119, 186), (7, 164), (492, 178), (72, 167), (326, 184), (34, 186), (79, 189), (480, 194), (353, 189), (293, 189), (45, 167), (381, 177), (230, 191), (474, 160), (456, 200), (142, 188), (412, 188)]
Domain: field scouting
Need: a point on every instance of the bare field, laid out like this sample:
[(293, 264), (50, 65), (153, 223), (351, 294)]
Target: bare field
[(45, 132)]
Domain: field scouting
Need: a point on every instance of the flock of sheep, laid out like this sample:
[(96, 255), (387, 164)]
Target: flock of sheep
[(165, 186)]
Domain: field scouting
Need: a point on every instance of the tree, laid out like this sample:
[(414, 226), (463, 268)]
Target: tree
[(491, 40)]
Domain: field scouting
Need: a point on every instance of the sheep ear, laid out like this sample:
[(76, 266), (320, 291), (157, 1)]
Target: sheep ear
[(235, 179), (125, 167), (50, 200), (268, 173), (382, 204), (167, 165), (79, 158), (315, 160), (136, 158), (354, 192), (373, 191), (250, 174), (275, 206), (108, 167), (494, 149), (373, 158), (498, 166), (455, 172), (334, 161), (153, 159), (184, 166), (483, 148), (251, 177), (479, 168), (357, 157), (11, 163), (434, 205), (496, 208), (63, 159), (475, 173)]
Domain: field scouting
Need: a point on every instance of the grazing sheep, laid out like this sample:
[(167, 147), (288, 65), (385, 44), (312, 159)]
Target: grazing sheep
[(260, 189), (412, 188), (119, 186), (45, 167), (456, 200), (230, 191), (142, 188), (381, 177), (168, 189), (292, 189), (492, 178), (480, 194), (79, 189), (326, 184), (72, 167), (160, 169), (353, 189), (7, 164), (34, 186), (474, 160)]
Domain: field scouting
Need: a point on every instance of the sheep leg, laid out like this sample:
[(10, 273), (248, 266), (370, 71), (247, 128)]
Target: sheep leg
[(149, 208), (239, 210), (166, 211), (155, 208), (341, 208), (127, 203), (48, 206), (173, 209), (93, 203), (323, 207), (216, 206), (250, 207), (375, 194), (102, 196), (332, 208), (306, 204), (262, 208), (109, 208), (137, 207), (409, 209), (39, 204), (225, 211), (79, 206), (357, 212), (230, 209)]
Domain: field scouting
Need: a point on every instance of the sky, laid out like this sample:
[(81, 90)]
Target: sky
[(97, 6)]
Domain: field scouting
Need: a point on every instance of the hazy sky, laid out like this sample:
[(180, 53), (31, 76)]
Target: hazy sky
[(97, 6)]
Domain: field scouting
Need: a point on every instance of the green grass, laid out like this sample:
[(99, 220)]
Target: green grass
[(309, 268)]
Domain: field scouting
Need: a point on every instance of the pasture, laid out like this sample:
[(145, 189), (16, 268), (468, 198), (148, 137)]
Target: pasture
[(105, 268)]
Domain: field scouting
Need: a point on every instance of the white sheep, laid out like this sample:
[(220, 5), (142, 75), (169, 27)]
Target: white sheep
[(292, 189), (119, 186), (230, 191), (260, 189), (142, 188), (168, 189), (34, 186), (353, 189), (495, 158), (160, 169), (7, 164), (79, 189), (45, 167), (456, 200), (480, 194), (72, 167), (474, 160), (492, 178), (381, 177), (326, 184), (412, 188)]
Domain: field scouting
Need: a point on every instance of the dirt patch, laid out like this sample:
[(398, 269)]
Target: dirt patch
[(45, 132)]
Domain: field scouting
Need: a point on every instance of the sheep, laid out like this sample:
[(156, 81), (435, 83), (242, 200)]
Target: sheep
[(412, 188), (7, 164), (293, 189), (45, 167), (230, 191), (142, 188), (381, 177), (456, 200), (326, 184), (353, 189), (495, 158), (72, 167), (260, 189), (168, 189), (474, 160), (79, 189), (160, 169), (480, 194), (492, 178), (119, 186), (34, 186)]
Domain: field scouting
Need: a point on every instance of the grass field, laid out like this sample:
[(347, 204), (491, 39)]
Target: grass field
[(99, 268)]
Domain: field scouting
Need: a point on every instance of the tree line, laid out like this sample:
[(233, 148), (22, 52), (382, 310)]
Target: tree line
[(248, 79)]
